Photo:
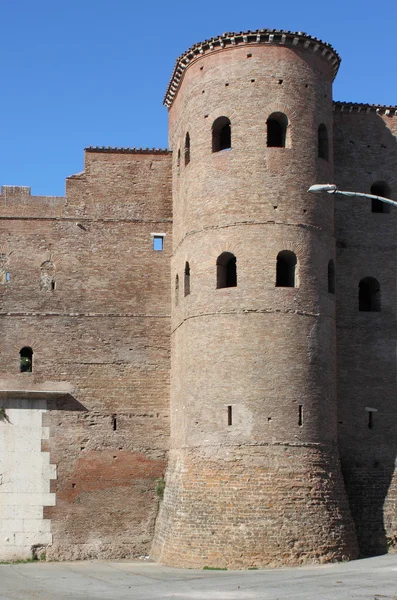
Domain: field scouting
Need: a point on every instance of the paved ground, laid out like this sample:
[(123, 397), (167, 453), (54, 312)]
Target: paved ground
[(370, 579)]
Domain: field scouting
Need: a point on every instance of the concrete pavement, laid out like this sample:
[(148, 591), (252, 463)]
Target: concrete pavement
[(369, 579)]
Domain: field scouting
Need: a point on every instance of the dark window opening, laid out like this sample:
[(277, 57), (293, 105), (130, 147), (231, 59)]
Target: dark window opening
[(369, 295), (380, 188), (178, 159), (277, 130), (26, 360), (230, 415), (331, 277), (370, 419), (114, 423), (187, 280), (286, 267), (226, 270), (323, 148), (176, 290), (300, 415), (187, 149), (221, 134)]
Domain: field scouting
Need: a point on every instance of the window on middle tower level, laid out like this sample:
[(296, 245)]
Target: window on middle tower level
[(380, 188), (221, 134), (226, 270), (286, 269), (369, 295)]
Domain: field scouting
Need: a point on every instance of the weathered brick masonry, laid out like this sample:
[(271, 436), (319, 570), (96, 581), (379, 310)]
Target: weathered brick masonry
[(276, 401)]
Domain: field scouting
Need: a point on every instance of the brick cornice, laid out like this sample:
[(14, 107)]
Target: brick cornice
[(357, 107), (260, 36), (110, 150)]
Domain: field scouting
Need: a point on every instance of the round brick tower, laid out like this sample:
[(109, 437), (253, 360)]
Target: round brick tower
[(254, 477)]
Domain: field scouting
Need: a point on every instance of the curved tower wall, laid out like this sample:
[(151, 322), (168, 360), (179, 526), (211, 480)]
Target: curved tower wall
[(266, 489)]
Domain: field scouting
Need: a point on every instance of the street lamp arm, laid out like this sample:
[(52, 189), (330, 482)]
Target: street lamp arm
[(331, 188)]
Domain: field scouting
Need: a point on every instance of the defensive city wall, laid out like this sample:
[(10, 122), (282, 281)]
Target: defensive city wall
[(198, 358)]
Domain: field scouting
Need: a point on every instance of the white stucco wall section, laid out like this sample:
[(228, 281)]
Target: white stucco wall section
[(25, 474)]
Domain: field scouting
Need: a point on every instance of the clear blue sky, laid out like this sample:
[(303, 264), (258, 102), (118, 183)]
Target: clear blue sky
[(78, 73)]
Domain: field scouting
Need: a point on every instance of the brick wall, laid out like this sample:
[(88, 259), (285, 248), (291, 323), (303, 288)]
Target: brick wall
[(104, 329), (365, 152)]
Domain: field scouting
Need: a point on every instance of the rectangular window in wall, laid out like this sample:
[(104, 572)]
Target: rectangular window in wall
[(158, 241)]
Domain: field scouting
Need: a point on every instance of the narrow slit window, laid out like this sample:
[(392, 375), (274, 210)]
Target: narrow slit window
[(380, 188), (277, 125), (323, 145), (370, 419), (158, 243), (331, 277), (187, 280), (229, 416), (226, 270), (187, 149), (176, 290), (114, 422), (300, 415), (26, 360), (286, 269)]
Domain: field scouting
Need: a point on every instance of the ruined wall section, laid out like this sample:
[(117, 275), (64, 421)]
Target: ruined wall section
[(266, 488), (103, 329), (366, 152)]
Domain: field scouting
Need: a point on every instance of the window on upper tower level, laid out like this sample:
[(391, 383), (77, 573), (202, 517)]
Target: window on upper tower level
[(226, 270), (369, 295), (26, 360), (286, 269), (380, 188), (178, 159), (221, 134), (187, 149), (323, 149), (277, 125), (331, 277), (187, 280)]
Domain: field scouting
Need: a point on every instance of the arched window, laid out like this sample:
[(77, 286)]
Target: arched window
[(226, 271), (369, 295), (187, 149), (322, 142), (286, 267), (331, 277), (380, 188), (221, 134), (187, 280), (176, 290), (26, 360), (47, 276), (277, 130)]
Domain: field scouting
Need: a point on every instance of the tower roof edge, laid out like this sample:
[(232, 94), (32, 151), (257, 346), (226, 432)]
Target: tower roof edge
[(279, 37)]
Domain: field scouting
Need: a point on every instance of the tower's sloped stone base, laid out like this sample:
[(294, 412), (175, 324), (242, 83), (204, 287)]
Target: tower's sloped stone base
[(254, 507)]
